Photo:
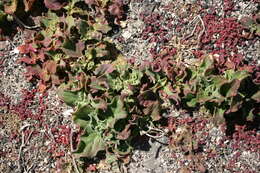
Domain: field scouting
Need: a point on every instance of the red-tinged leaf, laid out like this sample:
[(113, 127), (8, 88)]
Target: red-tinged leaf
[(235, 104), (230, 65), (153, 109), (26, 60), (247, 68), (32, 71), (26, 48), (10, 7), (40, 56), (92, 168), (54, 4), (50, 66), (44, 75), (230, 89), (28, 4), (184, 170), (125, 133), (42, 87), (201, 168), (46, 41), (55, 80), (176, 98), (99, 104), (104, 69), (91, 2), (156, 66), (115, 9)]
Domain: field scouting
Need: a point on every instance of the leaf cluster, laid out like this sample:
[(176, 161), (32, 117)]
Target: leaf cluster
[(111, 108), (251, 26), (113, 100), (221, 94), (73, 39)]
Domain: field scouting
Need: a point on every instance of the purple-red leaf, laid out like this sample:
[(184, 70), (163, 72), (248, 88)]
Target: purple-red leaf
[(54, 4), (115, 9), (26, 48), (50, 66), (91, 2)]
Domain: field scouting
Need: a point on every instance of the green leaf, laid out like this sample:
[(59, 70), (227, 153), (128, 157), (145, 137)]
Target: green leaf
[(104, 28), (99, 83), (236, 103), (71, 98), (73, 49), (70, 22), (256, 96), (117, 111), (83, 118), (192, 103), (123, 148), (239, 75), (2, 17), (83, 28), (230, 89), (207, 66), (90, 145), (150, 75), (250, 116), (218, 116), (135, 77), (154, 111), (191, 100), (50, 21)]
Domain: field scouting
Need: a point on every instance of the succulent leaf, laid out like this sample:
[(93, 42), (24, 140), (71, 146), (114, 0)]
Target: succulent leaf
[(89, 145)]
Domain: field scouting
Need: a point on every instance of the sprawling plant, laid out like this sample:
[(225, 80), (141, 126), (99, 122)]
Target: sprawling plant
[(221, 94), (72, 50), (113, 100), (111, 108), (73, 39)]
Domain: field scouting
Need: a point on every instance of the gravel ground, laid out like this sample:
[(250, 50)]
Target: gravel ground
[(207, 150), (20, 139)]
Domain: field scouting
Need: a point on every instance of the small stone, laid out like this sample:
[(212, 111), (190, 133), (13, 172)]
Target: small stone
[(127, 35), (123, 24), (3, 45)]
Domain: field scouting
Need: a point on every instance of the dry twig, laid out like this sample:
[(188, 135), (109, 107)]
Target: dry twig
[(21, 23), (72, 150), (20, 167)]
